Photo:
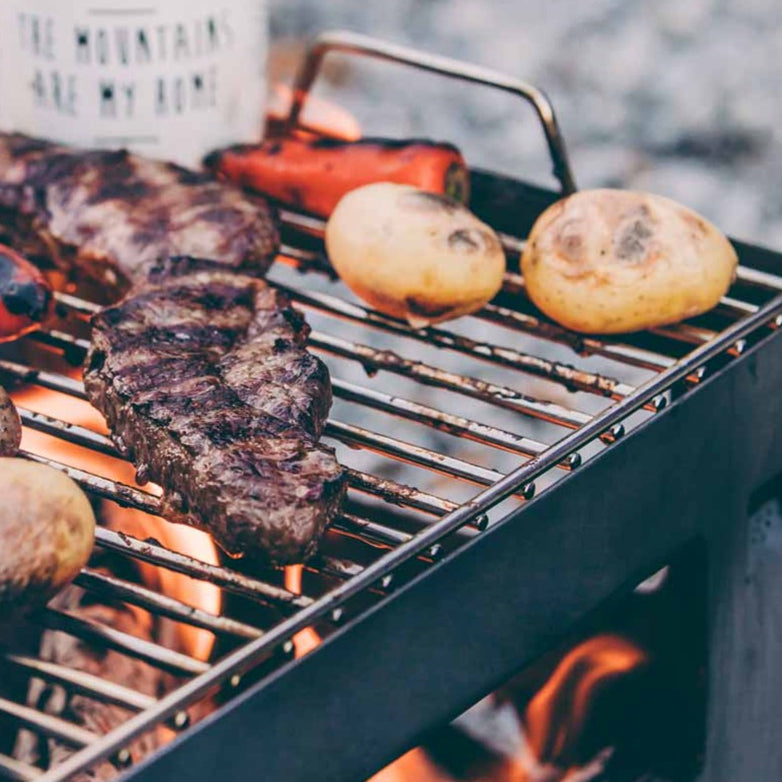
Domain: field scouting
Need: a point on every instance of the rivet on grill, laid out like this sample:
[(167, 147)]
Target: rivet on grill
[(613, 434), (778, 322), (337, 615), (434, 551), (386, 581), (528, 491), (697, 376), (659, 402), (481, 522), (123, 759), (573, 461), (739, 346), (235, 681), (181, 720), (288, 647)]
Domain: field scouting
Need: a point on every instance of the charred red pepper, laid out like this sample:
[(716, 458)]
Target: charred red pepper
[(25, 295), (314, 173)]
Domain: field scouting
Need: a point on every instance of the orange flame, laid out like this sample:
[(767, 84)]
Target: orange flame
[(307, 639), (558, 711), (201, 594), (553, 720)]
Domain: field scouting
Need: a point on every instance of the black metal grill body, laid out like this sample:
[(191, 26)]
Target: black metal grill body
[(444, 640)]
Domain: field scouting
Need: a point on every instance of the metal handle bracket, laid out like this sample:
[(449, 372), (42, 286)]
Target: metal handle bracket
[(363, 45)]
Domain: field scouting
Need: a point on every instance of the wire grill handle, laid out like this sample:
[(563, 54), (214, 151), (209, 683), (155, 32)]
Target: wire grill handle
[(365, 46)]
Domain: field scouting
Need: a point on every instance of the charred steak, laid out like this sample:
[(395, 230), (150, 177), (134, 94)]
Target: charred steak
[(201, 371), (111, 215), (206, 385)]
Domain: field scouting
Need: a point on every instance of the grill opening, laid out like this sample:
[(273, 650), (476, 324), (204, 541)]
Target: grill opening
[(444, 432), (622, 698)]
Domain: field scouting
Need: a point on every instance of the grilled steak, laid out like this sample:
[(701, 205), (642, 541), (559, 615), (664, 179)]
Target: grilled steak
[(201, 371), (112, 215), (206, 385)]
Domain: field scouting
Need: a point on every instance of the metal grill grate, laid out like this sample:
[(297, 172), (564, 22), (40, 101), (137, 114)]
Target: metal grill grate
[(512, 413), (425, 530)]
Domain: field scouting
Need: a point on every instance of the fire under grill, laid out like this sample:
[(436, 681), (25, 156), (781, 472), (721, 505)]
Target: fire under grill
[(427, 591)]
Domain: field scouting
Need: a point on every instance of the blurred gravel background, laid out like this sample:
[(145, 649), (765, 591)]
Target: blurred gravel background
[(681, 97)]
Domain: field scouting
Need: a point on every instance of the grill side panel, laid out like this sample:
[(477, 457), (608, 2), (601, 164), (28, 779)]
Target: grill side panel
[(465, 625)]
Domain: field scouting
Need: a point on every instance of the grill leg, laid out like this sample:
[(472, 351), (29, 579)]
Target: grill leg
[(745, 683)]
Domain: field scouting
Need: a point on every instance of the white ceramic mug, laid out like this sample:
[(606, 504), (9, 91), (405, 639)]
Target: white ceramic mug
[(171, 79)]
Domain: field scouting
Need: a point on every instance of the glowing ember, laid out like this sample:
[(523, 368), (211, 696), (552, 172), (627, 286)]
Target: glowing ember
[(414, 766)]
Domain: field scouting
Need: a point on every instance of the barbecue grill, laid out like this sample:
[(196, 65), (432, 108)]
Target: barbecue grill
[(438, 600)]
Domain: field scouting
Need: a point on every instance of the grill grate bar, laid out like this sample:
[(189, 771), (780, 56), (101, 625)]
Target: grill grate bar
[(567, 376), (85, 683), (444, 422), (412, 454), (230, 580), (48, 724), (17, 771), (163, 605), (72, 433), (585, 346), (167, 660), (493, 393), (51, 380), (365, 529), (759, 279), (115, 491)]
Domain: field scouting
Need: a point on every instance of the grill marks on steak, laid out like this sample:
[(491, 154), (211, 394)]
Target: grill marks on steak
[(206, 384), (113, 215), (201, 372)]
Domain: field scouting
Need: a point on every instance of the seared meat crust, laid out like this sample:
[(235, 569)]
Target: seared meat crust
[(201, 371), (206, 385), (112, 215)]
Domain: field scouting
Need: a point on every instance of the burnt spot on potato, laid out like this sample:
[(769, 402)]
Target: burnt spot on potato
[(424, 308), (632, 239)]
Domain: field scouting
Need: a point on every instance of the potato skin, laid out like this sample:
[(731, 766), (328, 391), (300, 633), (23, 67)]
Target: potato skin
[(614, 261), (10, 426), (46, 530), (414, 254)]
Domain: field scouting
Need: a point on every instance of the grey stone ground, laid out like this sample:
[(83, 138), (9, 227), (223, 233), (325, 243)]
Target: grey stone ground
[(682, 97)]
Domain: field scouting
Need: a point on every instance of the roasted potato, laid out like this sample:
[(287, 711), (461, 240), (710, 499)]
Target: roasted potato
[(414, 254), (46, 533), (10, 427), (612, 261)]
